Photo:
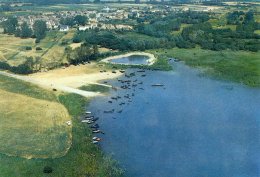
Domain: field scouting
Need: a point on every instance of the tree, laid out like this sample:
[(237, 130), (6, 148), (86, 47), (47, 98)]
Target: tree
[(81, 20), (40, 29), (95, 49), (10, 25), (5, 8), (26, 31), (67, 21)]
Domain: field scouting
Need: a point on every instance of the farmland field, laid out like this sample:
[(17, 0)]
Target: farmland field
[(15, 53)]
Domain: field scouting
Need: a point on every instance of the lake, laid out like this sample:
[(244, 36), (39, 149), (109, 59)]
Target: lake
[(132, 60), (192, 126)]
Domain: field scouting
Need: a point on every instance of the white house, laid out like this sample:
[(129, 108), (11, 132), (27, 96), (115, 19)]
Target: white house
[(64, 28)]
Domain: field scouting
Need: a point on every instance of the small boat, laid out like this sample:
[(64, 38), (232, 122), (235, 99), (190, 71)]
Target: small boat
[(94, 126), (95, 119), (96, 138), (94, 142), (88, 112), (96, 131), (87, 121), (157, 85), (141, 71)]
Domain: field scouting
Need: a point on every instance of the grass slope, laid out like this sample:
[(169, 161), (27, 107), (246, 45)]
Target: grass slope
[(33, 128), (82, 159)]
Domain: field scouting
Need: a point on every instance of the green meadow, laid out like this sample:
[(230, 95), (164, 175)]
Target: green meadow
[(238, 66)]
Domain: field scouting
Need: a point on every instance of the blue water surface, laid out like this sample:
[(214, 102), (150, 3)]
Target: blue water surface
[(132, 60), (192, 126)]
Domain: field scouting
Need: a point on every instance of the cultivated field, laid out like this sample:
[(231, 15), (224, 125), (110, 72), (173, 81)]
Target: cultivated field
[(13, 49)]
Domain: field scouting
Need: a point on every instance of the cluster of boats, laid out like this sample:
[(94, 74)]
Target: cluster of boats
[(89, 119), (129, 83)]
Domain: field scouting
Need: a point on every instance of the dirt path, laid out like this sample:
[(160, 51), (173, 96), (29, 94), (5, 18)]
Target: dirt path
[(51, 86), (68, 79)]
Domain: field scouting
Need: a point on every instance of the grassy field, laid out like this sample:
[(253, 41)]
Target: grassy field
[(32, 121), (238, 66), (95, 88), (52, 53), (38, 128)]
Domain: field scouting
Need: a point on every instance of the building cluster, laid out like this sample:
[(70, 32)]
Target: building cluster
[(102, 19)]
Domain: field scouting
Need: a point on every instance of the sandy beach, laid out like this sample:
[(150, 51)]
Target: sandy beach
[(69, 79)]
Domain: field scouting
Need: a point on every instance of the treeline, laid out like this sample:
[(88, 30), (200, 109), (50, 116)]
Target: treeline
[(38, 30), (26, 68), (120, 41), (85, 53)]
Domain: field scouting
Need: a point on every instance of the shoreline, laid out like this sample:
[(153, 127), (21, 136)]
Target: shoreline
[(150, 61)]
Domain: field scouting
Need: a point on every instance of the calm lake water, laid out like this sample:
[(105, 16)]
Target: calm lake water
[(132, 59), (193, 126)]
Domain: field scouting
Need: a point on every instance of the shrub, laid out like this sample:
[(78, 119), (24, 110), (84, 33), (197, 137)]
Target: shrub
[(47, 169), (37, 41), (28, 48), (38, 48)]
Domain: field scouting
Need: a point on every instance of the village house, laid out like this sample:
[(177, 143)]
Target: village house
[(64, 28)]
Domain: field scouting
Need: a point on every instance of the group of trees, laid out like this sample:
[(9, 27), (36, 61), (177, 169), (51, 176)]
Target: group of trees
[(25, 68), (83, 53), (159, 28), (113, 40), (77, 20), (6, 7), (202, 33), (220, 39), (162, 27), (24, 31)]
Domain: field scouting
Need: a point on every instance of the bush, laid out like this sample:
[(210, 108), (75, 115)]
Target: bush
[(47, 169), (76, 39), (38, 48), (4, 65), (37, 41), (28, 48)]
